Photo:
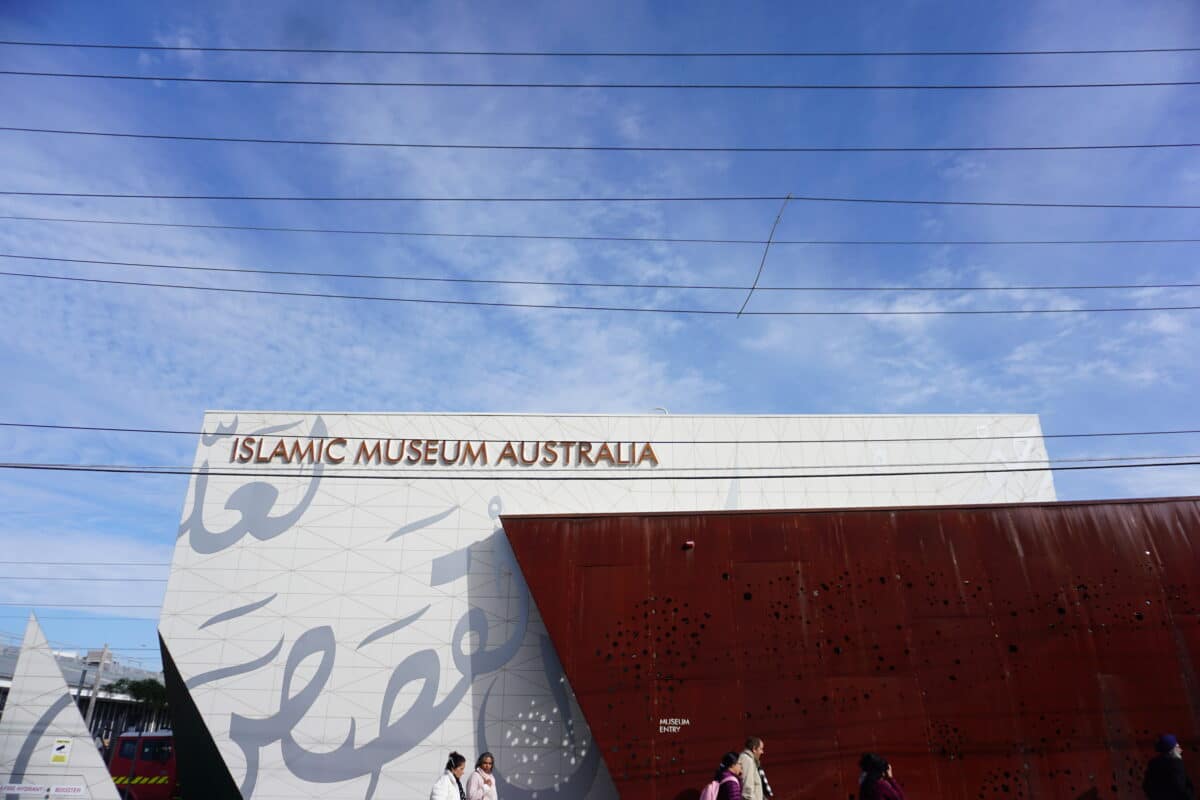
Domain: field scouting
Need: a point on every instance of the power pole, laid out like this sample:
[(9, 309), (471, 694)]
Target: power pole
[(95, 689)]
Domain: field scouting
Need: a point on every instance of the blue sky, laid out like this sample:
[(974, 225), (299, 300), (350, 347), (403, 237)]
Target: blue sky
[(80, 354)]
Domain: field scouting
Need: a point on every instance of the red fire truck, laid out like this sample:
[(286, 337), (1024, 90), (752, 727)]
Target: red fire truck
[(143, 766)]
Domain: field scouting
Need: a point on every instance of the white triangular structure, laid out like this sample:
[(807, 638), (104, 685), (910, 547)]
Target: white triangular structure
[(45, 747)]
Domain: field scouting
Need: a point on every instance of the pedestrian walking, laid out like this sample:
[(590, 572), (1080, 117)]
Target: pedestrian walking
[(727, 781), (1166, 778), (876, 781), (750, 758), (482, 783), (449, 786), (762, 775)]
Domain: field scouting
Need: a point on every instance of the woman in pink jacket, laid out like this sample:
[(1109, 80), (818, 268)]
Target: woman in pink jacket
[(482, 783)]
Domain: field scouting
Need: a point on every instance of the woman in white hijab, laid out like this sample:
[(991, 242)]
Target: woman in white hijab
[(449, 787), (482, 783)]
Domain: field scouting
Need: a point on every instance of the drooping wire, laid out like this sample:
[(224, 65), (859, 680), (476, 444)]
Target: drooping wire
[(604, 284), (601, 308), (593, 284)]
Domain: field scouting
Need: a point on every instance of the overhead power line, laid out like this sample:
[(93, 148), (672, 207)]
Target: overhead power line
[(58, 647), (91, 563), (89, 578), (608, 308), (76, 616), (128, 649), (710, 198), (144, 647), (773, 441), (80, 604), (597, 284), (613, 148), (602, 53), (626, 475), (592, 238), (760, 471), (838, 87)]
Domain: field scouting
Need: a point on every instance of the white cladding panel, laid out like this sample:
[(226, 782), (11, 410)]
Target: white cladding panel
[(343, 627), (45, 747)]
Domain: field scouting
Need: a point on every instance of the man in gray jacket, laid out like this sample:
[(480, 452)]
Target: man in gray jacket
[(752, 788)]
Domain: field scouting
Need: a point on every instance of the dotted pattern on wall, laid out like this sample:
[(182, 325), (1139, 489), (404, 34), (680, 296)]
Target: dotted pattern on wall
[(994, 651)]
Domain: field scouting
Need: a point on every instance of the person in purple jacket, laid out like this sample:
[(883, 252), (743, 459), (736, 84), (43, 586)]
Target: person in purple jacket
[(876, 782), (729, 777)]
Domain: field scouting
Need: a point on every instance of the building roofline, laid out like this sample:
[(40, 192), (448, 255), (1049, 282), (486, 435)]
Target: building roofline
[(855, 509), (645, 415)]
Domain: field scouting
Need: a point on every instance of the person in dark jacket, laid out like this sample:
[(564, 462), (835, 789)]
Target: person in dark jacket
[(729, 777), (876, 781), (1165, 776)]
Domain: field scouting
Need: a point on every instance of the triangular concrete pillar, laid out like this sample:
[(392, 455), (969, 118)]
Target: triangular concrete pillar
[(45, 748)]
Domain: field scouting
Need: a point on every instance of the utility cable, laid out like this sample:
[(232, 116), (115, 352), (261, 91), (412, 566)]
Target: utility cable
[(90, 563), (991, 438), (123, 617), (726, 198), (600, 53), (603, 308), (762, 262), (600, 284), (593, 238), (41, 578), (606, 85), (597, 284), (85, 603), (627, 475), (758, 472), (614, 148)]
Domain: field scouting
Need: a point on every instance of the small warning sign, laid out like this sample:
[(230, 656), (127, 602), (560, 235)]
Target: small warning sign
[(61, 754), (41, 791)]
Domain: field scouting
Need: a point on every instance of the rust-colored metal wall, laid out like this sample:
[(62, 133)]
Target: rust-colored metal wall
[(1023, 651)]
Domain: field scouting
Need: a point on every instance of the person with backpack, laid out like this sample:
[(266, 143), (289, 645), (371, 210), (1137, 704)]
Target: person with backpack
[(727, 782)]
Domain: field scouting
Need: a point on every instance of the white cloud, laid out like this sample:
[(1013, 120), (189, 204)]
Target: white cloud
[(47, 587), (158, 357)]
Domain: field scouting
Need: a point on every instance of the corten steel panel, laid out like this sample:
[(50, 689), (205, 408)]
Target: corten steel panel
[(1023, 651)]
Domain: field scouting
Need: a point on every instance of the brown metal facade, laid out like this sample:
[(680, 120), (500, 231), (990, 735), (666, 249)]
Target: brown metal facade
[(1020, 651)]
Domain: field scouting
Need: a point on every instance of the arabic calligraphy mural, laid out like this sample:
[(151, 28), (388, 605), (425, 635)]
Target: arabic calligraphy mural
[(417, 699)]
